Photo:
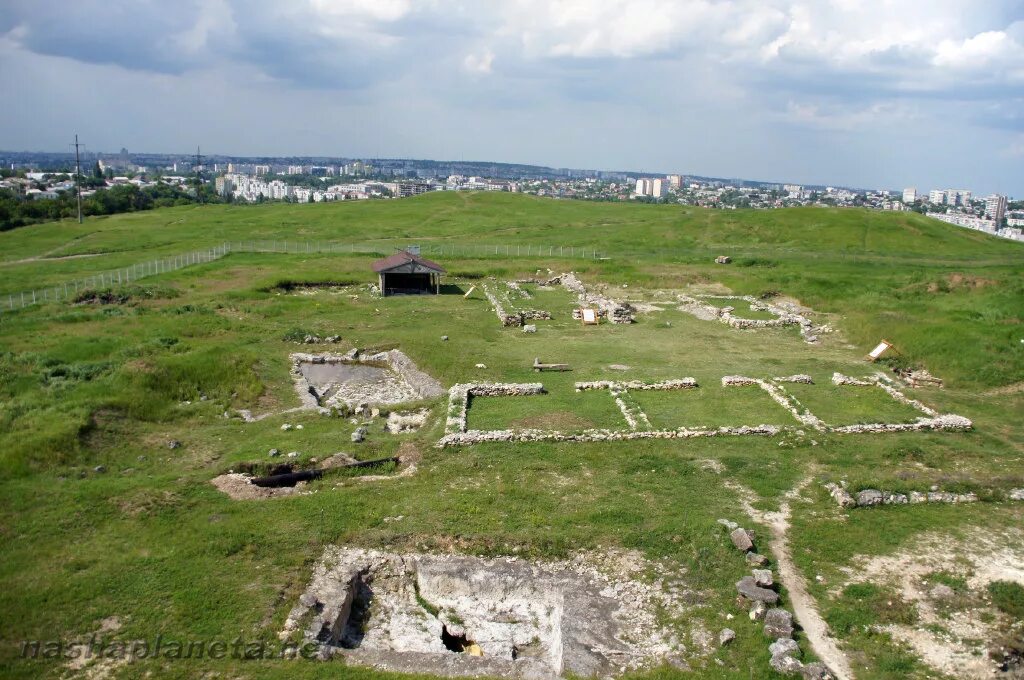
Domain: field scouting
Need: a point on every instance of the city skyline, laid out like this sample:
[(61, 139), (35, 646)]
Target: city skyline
[(867, 96)]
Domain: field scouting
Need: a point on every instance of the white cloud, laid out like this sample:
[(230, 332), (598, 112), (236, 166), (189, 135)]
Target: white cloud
[(479, 63)]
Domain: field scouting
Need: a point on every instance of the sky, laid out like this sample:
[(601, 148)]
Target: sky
[(865, 93)]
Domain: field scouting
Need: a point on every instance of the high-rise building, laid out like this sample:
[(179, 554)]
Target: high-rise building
[(909, 195), (937, 197), (995, 208), (675, 181)]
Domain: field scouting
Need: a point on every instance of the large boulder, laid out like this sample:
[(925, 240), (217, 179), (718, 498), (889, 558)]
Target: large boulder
[(763, 578), (742, 539), (784, 656), (778, 623), (749, 589)]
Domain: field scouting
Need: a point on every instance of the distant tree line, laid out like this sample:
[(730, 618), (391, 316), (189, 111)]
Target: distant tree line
[(19, 211)]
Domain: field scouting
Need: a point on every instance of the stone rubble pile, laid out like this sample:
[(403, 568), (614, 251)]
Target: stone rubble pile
[(407, 421), (512, 317), (613, 310)]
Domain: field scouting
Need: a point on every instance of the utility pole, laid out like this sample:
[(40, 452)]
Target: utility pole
[(199, 176), (78, 179)]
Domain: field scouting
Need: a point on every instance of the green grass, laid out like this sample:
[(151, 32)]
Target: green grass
[(564, 411), (152, 541), (711, 405), (851, 404), (1008, 597)]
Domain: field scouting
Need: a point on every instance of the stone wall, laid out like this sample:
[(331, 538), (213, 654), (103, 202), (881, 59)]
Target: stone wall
[(695, 305), (678, 384), (639, 426), (871, 497), (459, 394)]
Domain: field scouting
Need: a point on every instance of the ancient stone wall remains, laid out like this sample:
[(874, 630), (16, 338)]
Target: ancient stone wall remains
[(871, 497), (506, 309), (639, 426), (613, 310), (695, 305)]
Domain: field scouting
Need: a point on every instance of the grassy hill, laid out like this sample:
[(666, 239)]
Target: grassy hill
[(148, 539)]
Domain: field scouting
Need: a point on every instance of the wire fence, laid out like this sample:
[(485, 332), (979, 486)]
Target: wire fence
[(70, 290)]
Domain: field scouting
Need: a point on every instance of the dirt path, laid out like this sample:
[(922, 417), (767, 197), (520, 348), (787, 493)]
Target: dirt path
[(47, 255), (804, 607)]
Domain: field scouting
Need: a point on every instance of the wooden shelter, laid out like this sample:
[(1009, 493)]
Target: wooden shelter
[(406, 273)]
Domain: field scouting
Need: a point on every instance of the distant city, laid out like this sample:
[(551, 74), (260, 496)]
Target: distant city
[(29, 176)]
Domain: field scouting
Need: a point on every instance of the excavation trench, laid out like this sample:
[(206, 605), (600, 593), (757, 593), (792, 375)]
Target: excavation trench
[(457, 615)]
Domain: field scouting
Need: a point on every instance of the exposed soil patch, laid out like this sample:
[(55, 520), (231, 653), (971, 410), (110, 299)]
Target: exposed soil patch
[(457, 615), (240, 488), (958, 281), (956, 628)]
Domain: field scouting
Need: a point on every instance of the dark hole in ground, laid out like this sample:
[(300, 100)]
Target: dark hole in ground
[(454, 643), (359, 615)]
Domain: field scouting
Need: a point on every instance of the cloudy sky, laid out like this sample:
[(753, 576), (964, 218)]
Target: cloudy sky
[(891, 93)]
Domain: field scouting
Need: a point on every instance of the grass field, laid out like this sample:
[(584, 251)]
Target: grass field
[(151, 541)]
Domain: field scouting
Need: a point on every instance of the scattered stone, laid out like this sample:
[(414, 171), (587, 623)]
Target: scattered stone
[(742, 539), (870, 497), (756, 560), (359, 434), (750, 590), (941, 592), (293, 454), (723, 259), (286, 427), (444, 338), (758, 611), (728, 524), (530, 328), (726, 636), (778, 623), (763, 578), (299, 426), (100, 469), (173, 444), (274, 453), (1016, 495), (481, 365), (618, 367)]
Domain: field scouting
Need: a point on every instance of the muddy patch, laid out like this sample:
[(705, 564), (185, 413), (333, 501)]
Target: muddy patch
[(958, 629), (457, 615)]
